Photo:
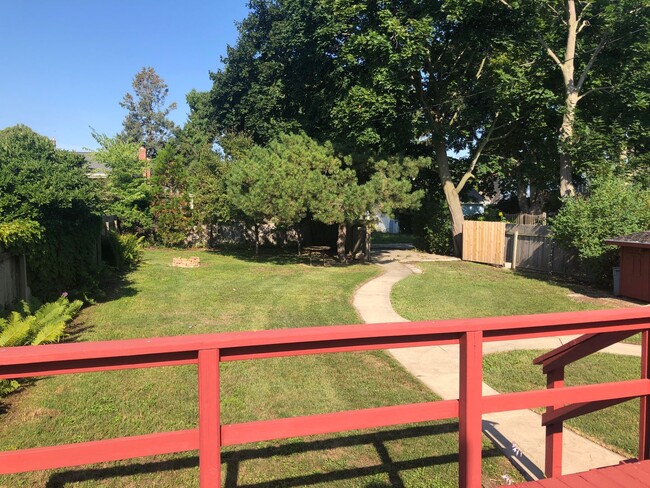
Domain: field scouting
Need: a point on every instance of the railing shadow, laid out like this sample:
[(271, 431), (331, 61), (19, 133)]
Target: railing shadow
[(233, 460)]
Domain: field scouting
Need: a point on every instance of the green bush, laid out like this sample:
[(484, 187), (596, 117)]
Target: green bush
[(432, 227), (612, 208), (50, 188), (122, 251), (46, 325)]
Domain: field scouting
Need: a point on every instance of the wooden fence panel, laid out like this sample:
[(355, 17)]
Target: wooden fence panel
[(484, 242), (536, 251), (13, 278)]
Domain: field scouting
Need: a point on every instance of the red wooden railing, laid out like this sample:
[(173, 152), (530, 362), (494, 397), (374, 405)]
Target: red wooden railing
[(209, 350)]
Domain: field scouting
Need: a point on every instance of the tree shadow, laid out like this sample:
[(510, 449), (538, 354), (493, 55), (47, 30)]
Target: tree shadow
[(282, 257), (233, 460)]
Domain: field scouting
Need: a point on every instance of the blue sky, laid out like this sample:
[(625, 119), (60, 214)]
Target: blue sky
[(66, 64)]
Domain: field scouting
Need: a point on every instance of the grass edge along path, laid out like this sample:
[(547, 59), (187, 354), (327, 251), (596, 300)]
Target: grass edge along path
[(449, 290), (236, 292), (615, 427)]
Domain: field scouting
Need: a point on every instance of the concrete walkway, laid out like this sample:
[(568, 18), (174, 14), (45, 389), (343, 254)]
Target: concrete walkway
[(518, 433)]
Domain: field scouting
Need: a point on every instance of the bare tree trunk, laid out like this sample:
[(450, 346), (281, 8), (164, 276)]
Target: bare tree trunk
[(340, 242), (566, 141), (451, 196)]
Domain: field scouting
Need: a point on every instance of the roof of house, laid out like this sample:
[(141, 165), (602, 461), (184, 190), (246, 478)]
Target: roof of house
[(636, 239), (95, 169)]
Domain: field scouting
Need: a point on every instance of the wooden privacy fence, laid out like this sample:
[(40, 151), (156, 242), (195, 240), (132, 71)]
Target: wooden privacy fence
[(208, 351), (484, 242), (531, 248), (13, 278)]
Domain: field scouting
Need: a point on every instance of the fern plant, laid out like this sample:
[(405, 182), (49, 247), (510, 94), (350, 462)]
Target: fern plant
[(46, 325)]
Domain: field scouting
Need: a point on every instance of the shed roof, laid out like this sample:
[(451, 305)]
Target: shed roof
[(636, 239)]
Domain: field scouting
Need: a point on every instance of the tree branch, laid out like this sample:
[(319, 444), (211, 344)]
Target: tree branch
[(477, 154), (592, 59), (582, 12), (550, 52), (598, 88)]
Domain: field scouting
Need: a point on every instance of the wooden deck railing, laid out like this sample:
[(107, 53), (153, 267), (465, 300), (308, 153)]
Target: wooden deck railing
[(208, 351)]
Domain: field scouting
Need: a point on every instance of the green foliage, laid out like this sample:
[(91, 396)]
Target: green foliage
[(20, 235), (207, 181), (170, 206), (50, 187), (612, 208), (295, 176), (146, 122), (122, 251), (128, 193), (432, 226), (46, 325)]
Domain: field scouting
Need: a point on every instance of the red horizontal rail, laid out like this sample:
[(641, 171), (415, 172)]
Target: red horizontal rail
[(239, 345), (98, 451), (268, 430), (567, 395), (17, 362), (214, 348)]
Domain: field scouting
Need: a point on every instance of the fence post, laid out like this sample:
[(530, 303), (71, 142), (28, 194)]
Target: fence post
[(514, 249), (553, 457), (209, 420), (470, 409), (644, 420)]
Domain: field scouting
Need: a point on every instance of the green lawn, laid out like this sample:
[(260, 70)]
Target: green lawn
[(460, 289), (235, 292), (616, 427), (447, 290)]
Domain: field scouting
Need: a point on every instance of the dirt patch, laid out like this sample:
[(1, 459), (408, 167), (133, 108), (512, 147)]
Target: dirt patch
[(604, 299)]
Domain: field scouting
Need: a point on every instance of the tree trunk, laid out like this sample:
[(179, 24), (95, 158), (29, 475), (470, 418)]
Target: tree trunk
[(257, 240), (340, 242), (522, 199), (451, 196), (566, 142)]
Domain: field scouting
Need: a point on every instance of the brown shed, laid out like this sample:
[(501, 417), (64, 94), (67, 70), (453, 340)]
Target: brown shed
[(635, 264)]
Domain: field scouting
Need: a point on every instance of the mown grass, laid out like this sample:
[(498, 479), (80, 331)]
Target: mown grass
[(447, 290), (230, 293), (615, 427)]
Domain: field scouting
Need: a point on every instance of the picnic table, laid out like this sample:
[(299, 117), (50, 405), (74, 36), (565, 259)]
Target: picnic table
[(320, 251)]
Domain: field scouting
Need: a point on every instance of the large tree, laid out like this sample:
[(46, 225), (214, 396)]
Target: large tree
[(147, 119), (593, 44), (294, 176)]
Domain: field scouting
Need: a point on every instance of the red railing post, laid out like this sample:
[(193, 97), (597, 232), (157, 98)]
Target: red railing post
[(209, 420), (470, 433), (644, 420), (553, 458)]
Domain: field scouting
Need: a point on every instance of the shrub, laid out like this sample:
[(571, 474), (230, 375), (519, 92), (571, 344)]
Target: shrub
[(122, 251), (432, 227), (612, 208), (46, 325), (49, 187)]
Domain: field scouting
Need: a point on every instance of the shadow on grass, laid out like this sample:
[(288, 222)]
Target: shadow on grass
[(281, 257), (233, 460)]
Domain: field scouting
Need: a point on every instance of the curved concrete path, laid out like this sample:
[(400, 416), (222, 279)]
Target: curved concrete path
[(519, 433)]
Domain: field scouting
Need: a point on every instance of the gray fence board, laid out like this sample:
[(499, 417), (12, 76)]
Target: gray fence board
[(536, 251)]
